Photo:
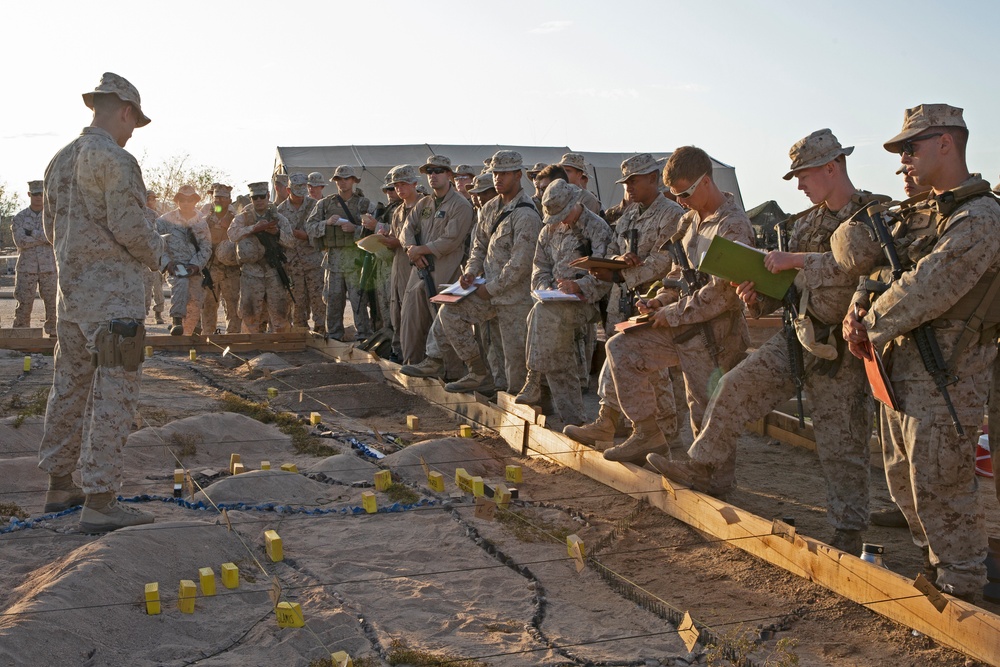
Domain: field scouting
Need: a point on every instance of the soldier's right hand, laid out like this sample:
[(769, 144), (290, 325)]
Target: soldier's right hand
[(747, 293), (631, 259), (466, 280)]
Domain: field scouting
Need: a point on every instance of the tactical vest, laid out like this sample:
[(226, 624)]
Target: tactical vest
[(334, 236)]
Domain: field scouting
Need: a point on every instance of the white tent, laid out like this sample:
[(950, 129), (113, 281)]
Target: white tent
[(373, 162)]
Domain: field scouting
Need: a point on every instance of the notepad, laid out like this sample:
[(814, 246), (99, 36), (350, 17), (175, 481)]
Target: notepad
[(454, 292), (737, 263), (553, 295)]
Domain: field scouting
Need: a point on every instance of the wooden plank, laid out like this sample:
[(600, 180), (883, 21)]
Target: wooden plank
[(20, 332), (529, 413)]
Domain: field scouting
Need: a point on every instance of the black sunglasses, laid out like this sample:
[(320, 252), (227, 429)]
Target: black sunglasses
[(255, 197), (907, 146), (435, 170)]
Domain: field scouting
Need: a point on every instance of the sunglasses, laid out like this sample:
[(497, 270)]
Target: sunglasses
[(690, 191), (907, 147), (435, 170), (256, 197)]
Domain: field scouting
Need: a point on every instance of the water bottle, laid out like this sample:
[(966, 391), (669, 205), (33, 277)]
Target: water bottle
[(873, 553)]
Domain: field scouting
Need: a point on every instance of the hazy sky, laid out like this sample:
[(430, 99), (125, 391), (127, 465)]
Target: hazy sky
[(227, 82)]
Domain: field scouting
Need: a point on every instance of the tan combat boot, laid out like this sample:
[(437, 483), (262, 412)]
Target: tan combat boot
[(646, 438), (531, 394), (62, 494), (428, 368), (701, 477), (477, 379), (103, 513), (601, 429)]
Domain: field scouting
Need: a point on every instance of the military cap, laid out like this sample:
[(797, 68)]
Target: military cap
[(422, 189), (436, 161), (224, 191), (186, 191), (404, 173), (466, 169), (535, 169), (506, 161), (259, 188), (113, 84), (483, 183), (815, 150), (923, 117), (316, 179), (387, 183), (151, 193), (297, 184), (558, 200), (281, 179), (35, 187), (637, 165), (575, 160), (344, 171)]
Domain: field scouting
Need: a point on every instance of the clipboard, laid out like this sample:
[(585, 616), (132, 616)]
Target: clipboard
[(737, 263), (598, 263), (878, 379), (635, 323)]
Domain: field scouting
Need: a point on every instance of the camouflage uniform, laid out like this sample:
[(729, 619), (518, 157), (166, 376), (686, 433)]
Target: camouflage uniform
[(36, 266), (504, 259), (839, 403), (259, 282), (305, 268), (181, 236), (642, 232), (383, 271), (551, 326), (443, 227), (342, 262), (153, 279), (637, 358), (225, 275), (93, 215), (400, 277), (929, 468)]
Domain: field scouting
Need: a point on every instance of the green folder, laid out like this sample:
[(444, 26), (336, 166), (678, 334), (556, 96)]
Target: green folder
[(739, 263)]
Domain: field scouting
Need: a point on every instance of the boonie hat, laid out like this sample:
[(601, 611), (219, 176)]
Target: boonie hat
[(344, 171), (558, 200), (637, 165), (538, 166), (186, 191), (466, 170), (316, 179), (404, 173), (575, 160), (815, 150), (224, 191), (113, 84), (922, 117), (506, 161), (436, 161), (483, 183)]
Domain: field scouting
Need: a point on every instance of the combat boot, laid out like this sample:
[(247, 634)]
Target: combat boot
[(646, 438), (890, 518), (159, 318), (601, 429), (428, 368), (103, 513), (849, 541), (695, 475), (477, 379), (531, 394), (62, 494), (178, 327)]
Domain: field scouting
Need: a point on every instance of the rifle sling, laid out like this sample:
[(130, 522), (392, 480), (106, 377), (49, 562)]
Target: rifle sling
[(506, 213)]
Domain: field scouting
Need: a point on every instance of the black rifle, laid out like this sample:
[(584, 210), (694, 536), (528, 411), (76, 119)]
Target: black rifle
[(626, 301), (923, 335), (274, 255), (425, 272), (796, 359), (694, 280), (206, 275)]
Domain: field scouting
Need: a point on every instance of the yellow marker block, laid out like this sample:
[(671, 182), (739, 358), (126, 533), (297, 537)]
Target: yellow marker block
[(289, 615), (570, 541), (465, 431), (314, 418), (341, 659), (289, 467), (185, 596), (149, 351), (383, 480), (265, 465), (27, 364), (272, 545), (368, 502), (230, 575), (239, 469), (514, 474), (153, 599), (272, 392), (193, 354), (412, 422), (477, 487), (463, 480), (436, 481), (206, 577), (233, 460), (501, 496), (178, 475)]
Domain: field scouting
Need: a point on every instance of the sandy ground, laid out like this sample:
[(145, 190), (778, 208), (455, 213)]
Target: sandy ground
[(431, 576)]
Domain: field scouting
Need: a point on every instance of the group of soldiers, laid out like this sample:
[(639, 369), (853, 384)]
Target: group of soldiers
[(911, 285)]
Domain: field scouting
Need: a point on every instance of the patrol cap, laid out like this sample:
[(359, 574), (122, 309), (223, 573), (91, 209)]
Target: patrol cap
[(538, 166), (575, 160), (506, 161), (186, 191), (297, 184), (815, 150), (436, 161), (387, 182), (344, 171), (35, 187), (224, 191), (281, 179), (465, 169), (404, 173), (113, 84), (922, 117), (558, 200), (422, 189), (260, 188), (483, 183), (316, 179), (637, 165)]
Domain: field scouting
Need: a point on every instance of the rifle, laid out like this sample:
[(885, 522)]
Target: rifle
[(796, 360), (693, 280), (206, 275), (923, 335), (626, 301), (274, 255), (425, 273)]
